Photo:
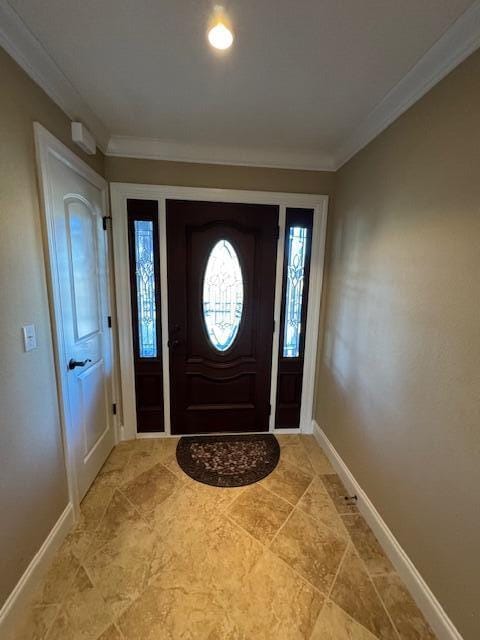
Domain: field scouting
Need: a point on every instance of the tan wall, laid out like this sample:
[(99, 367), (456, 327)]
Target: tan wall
[(399, 377), (398, 390), (184, 174), (33, 489)]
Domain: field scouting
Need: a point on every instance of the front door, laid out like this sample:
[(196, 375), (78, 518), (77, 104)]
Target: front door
[(74, 208), (221, 288)]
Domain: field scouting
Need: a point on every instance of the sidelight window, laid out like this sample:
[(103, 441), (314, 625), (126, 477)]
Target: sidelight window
[(296, 275), (145, 280), (297, 245), (222, 295)]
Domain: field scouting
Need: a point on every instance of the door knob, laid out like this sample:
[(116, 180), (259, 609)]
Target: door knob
[(173, 343), (77, 363)]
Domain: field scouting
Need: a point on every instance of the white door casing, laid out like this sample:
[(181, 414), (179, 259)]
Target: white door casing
[(75, 201), (120, 192)]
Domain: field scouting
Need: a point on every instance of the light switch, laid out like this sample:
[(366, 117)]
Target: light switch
[(29, 337)]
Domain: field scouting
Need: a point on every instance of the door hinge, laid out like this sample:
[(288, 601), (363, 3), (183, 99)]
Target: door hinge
[(109, 321), (104, 222), (278, 232), (269, 409), (114, 408)]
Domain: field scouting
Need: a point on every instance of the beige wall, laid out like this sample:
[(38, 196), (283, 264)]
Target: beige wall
[(33, 490), (399, 376), (184, 174), (398, 390)]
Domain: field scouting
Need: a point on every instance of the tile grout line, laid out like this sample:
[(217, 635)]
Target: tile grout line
[(309, 516), (303, 444), (350, 545), (80, 564), (118, 629), (271, 492), (186, 483), (337, 573), (325, 600), (354, 549), (336, 533), (378, 595), (371, 573), (367, 570), (61, 603), (350, 617), (118, 487), (289, 515), (340, 513), (50, 626), (297, 466), (267, 548), (136, 509)]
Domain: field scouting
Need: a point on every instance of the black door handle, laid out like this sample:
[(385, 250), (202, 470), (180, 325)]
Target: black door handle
[(77, 363), (173, 343)]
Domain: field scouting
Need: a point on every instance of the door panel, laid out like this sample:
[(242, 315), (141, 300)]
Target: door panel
[(83, 260), (94, 406), (80, 258), (220, 363)]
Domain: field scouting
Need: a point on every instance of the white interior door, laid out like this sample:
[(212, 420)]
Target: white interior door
[(75, 201)]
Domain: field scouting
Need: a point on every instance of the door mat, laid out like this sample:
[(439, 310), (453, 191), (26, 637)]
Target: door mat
[(228, 461)]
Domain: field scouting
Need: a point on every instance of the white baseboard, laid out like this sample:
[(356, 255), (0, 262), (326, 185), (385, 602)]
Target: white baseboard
[(423, 596), (13, 610)]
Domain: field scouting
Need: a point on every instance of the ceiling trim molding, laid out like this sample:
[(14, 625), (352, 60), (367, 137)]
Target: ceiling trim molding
[(19, 42), (156, 149), (454, 46)]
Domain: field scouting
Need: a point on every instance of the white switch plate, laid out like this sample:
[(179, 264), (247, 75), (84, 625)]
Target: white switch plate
[(29, 337)]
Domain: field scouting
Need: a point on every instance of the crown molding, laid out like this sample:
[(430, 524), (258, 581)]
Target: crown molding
[(454, 46), (19, 42), (156, 149)]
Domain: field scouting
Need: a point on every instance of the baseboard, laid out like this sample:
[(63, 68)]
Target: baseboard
[(423, 596), (13, 610)]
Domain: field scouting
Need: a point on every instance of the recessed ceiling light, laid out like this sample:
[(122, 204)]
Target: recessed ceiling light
[(219, 34)]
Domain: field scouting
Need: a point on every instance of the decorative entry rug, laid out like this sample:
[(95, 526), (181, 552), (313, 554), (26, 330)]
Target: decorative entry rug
[(228, 461)]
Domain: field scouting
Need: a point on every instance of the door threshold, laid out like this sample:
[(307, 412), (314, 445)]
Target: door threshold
[(162, 434)]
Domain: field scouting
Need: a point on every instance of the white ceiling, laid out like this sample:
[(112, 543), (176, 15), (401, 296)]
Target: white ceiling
[(300, 79)]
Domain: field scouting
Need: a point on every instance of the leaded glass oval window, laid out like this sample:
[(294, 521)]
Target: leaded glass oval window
[(222, 295)]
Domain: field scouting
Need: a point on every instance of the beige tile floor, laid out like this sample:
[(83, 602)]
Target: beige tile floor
[(158, 556)]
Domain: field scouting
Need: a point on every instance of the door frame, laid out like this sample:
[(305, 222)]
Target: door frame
[(119, 193), (47, 145)]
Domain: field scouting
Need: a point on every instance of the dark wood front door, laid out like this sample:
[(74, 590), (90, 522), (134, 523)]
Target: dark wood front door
[(221, 288)]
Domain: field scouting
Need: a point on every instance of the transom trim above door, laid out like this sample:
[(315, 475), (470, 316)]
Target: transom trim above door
[(206, 238)]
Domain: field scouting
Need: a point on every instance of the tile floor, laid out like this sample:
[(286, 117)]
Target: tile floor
[(158, 556)]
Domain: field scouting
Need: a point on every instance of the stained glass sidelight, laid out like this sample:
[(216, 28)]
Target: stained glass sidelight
[(145, 278), (297, 243), (222, 295)]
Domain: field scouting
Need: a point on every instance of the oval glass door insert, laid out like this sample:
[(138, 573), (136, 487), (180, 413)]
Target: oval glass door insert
[(222, 295)]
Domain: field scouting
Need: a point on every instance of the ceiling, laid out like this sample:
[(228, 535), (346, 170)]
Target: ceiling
[(298, 82)]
